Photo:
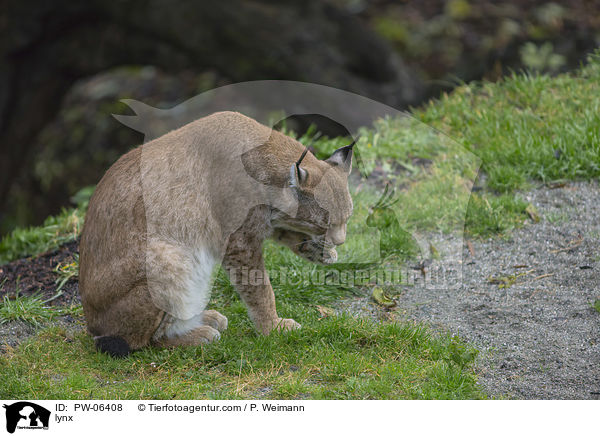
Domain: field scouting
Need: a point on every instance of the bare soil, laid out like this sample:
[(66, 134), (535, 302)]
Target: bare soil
[(35, 275)]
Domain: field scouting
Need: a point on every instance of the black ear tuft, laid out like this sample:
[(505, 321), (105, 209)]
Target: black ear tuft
[(299, 161), (298, 175)]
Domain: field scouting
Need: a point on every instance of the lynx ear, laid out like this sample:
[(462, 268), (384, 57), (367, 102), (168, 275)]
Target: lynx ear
[(298, 175), (342, 157)]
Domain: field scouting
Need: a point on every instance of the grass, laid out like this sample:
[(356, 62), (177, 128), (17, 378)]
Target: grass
[(596, 305), (55, 231), (32, 309), (66, 272), (525, 130), (330, 358)]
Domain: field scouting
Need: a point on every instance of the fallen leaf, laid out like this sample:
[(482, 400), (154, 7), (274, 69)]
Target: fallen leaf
[(325, 311), (556, 184), (471, 248), (435, 254), (382, 299), (533, 213), (503, 282)]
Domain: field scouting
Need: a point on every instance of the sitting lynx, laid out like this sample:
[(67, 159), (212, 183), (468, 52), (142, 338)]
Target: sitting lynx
[(166, 213)]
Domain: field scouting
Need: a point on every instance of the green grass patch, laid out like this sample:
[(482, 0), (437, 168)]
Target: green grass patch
[(32, 309), (330, 358), (490, 214), (596, 305), (526, 127), (430, 173), (55, 231)]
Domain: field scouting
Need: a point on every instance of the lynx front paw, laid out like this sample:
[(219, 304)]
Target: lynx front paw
[(284, 325)]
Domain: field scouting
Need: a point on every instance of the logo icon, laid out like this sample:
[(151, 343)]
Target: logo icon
[(26, 415)]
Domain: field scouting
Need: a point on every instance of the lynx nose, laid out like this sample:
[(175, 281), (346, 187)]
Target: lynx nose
[(337, 234)]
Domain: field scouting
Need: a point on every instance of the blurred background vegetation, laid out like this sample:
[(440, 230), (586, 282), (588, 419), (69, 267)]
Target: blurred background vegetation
[(66, 65)]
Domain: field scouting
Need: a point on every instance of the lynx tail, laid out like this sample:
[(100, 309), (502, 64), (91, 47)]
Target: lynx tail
[(116, 346)]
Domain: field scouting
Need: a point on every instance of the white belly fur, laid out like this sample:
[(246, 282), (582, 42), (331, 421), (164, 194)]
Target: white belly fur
[(181, 284)]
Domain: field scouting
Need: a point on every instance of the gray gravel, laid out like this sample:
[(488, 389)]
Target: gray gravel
[(15, 332), (12, 333), (539, 336)]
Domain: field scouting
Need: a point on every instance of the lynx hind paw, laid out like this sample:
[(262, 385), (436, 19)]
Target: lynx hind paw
[(214, 319), (201, 335), (206, 334)]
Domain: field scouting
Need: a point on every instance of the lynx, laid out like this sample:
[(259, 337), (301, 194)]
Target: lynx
[(168, 212)]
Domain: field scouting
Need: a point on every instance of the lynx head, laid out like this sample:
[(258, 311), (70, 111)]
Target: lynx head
[(324, 206)]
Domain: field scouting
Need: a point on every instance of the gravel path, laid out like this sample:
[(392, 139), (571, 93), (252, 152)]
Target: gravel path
[(539, 335)]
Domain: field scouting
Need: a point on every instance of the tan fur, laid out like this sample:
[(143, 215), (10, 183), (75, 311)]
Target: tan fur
[(210, 192)]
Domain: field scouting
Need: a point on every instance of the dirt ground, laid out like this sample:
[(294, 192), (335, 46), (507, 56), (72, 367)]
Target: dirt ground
[(524, 301), (33, 275), (36, 276), (541, 335)]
